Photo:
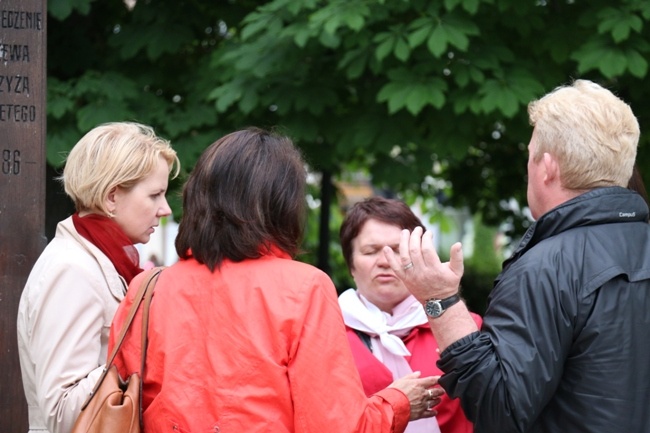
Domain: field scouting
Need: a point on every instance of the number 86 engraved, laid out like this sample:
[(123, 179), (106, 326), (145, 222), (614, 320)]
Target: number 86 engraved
[(10, 162)]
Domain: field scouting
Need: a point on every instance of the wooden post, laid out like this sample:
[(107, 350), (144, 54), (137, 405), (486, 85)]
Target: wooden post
[(22, 181)]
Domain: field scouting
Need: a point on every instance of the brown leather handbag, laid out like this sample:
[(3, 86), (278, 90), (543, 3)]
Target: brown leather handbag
[(114, 405)]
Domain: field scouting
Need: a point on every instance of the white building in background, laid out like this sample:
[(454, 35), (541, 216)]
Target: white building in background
[(161, 245)]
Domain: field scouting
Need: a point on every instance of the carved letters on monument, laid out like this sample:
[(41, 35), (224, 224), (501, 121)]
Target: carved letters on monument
[(17, 103)]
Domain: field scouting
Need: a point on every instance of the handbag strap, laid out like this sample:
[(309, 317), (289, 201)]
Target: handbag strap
[(137, 299), (143, 290), (145, 321), (143, 348)]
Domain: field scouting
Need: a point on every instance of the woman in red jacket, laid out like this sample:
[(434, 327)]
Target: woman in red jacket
[(241, 337), (387, 328)]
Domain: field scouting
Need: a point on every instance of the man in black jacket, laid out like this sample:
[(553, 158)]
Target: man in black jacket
[(565, 341)]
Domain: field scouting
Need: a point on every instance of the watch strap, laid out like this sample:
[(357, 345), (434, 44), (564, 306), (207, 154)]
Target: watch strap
[(448, 302), (436, 307)]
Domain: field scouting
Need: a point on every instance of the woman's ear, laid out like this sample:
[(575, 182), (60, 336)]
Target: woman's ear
[(110, 203)]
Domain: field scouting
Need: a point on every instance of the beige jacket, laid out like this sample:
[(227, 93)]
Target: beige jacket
[(64, 318)]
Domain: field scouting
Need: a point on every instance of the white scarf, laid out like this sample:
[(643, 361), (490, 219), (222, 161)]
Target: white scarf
[(363, 315)]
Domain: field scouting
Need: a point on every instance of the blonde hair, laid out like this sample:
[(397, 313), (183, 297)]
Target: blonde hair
[(111, 155), (592, 133)]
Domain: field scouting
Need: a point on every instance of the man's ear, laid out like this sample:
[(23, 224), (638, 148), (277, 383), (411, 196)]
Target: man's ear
[(551, 168)]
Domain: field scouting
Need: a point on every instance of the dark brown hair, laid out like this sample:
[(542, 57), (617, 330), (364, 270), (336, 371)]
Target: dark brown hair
[(389, 211), (245, 195)]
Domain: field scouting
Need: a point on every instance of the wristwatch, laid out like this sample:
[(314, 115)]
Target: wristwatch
[(435, 307)]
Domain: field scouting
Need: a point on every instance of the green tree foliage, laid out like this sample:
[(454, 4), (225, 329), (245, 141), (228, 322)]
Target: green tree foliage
[(406, 88), (340, 273)]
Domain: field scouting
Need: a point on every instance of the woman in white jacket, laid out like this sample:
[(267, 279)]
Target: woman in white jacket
[(117, 176)]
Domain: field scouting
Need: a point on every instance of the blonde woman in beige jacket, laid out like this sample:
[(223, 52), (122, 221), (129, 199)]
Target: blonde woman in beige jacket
[(117, 176)]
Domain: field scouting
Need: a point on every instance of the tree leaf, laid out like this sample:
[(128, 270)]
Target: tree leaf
[(61, 9), (355, 21), (329, 40), (437, 42), (102, 111), (402, 49), (621, 32), (613, 63), (249, 100), (418, 36), (451, 4), (590, 54), (456, 37), (225, 95), (255, 23), (384, 48), (301, 36), (636, 63), (471, 6), (395, 94), (415, 100), (59, 143)]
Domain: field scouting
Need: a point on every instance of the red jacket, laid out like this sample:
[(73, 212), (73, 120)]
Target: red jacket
[(424, 355), (256, 346)]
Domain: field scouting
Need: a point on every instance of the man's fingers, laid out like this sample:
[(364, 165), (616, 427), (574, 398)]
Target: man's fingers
[(414, 253), (405, 256), (429, 253), (456, 259), (393, 260)]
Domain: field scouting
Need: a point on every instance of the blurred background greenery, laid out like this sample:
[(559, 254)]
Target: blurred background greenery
[(425, 99)]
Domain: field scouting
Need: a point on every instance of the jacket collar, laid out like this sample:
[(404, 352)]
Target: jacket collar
[(116, 284), (271, 250), (598, 206)]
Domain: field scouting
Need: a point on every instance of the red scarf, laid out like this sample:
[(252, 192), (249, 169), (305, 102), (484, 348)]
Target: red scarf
[(106, 235)]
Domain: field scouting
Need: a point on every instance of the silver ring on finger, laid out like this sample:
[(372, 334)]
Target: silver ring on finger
[(408, 266), (430, 393)]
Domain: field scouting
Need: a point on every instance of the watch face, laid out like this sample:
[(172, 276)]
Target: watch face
[(434, 309)]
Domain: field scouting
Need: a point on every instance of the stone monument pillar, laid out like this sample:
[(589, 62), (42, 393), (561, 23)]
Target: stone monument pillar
[(22, 181)]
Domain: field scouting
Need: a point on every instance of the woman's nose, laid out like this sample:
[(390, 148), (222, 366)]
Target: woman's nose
[(381, 260), (164, 210)]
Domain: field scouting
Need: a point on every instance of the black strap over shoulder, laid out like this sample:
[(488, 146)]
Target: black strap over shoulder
[(365, 338)]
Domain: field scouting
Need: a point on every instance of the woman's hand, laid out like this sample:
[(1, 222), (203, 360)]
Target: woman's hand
[(421, 392)]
